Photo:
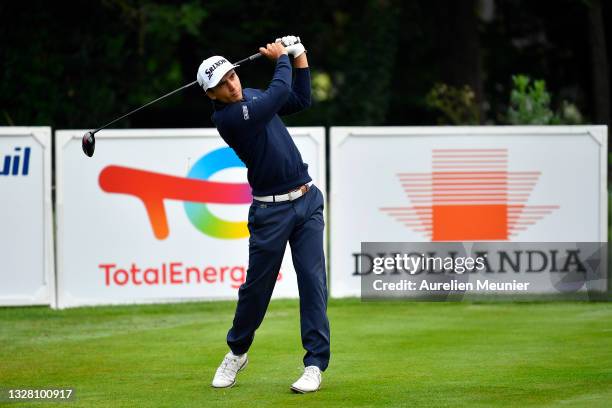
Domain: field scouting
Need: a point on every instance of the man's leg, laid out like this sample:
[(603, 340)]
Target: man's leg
[(270, 226), (306, 243)]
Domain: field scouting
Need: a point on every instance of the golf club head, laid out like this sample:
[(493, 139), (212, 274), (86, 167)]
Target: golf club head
[(89, 143)]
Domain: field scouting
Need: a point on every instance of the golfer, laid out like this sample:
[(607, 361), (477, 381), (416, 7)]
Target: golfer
[(286, 206)]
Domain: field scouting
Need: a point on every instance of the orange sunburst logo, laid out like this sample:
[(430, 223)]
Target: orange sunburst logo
[(469, 196)]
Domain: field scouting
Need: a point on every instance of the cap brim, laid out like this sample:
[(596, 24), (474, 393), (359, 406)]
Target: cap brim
[(222, 73)]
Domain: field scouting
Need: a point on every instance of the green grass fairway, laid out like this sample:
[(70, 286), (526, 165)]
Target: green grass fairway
[(383, 354)]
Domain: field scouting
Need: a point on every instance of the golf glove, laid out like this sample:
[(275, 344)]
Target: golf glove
[(293, 45)]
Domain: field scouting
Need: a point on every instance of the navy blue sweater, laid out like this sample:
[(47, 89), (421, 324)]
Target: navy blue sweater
[(253, 128)]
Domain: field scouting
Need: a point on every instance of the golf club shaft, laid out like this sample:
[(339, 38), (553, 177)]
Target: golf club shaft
[(248, 59), (144, 106), (251, 58)]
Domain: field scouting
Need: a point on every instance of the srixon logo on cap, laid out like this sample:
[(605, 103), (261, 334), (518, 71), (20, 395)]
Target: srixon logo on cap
[(10, 166), (214, 66)]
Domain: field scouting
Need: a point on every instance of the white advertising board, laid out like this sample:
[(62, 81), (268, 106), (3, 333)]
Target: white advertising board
[(448, 184), (26, 218), (159, 215)]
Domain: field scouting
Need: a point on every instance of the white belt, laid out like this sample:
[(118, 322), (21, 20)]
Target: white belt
[(290, 196)]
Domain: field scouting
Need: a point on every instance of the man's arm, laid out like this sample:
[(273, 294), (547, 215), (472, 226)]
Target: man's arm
[(301, 61), (259, 111), (299, 98)]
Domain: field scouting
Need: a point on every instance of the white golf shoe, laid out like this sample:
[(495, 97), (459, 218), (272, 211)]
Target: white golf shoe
[(309, 381), (225, 376)]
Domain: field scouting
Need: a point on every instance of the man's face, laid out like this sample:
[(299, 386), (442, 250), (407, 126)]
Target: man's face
[(228, 90)]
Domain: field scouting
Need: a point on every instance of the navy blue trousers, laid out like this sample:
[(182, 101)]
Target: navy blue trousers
[(272, 225)]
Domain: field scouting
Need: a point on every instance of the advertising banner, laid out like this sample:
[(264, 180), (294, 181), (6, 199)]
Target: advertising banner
[(159, 215), (455, 184), (26, 218)]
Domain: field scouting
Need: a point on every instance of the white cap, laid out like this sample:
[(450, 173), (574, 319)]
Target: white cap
[(212, 70)]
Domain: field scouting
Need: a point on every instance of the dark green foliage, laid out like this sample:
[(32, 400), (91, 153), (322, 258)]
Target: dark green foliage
[(76, 64), (365, 82), (81, 63)]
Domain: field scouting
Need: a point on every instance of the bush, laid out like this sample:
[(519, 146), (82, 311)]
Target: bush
[(530, 105), (458, 104)]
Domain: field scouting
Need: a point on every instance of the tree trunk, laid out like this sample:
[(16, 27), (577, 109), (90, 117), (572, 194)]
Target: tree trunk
[(599, 64), (459, 45)]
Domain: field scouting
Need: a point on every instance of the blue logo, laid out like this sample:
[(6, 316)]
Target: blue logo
[(16, 162)]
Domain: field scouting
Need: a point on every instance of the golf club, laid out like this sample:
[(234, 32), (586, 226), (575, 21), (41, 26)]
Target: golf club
[(89, 141)]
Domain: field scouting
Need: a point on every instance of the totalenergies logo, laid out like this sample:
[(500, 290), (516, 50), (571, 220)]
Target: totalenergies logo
[(469, 196), (195, 190)]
